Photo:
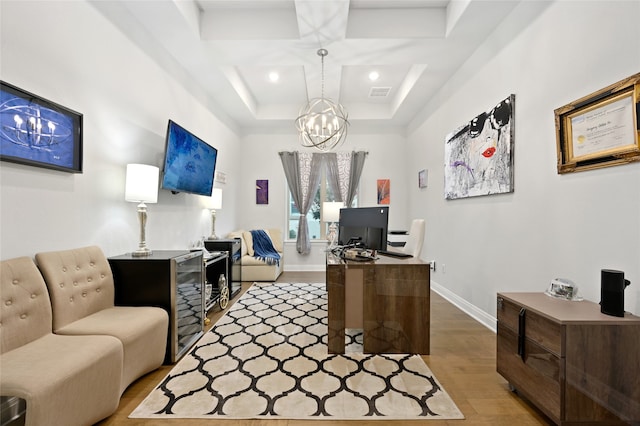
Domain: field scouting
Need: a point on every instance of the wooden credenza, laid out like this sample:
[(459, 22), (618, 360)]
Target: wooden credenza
[(574, 363)]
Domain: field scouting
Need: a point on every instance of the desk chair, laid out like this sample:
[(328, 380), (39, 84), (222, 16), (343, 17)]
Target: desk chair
[(415, 238)]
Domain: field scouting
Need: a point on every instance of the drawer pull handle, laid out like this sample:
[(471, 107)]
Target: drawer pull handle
[(500, 301), (521, 332)]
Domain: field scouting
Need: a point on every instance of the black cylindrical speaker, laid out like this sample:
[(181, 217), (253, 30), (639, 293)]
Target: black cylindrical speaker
[(612, 285)]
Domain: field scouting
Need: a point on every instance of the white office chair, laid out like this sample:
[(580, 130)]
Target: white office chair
[(415, 238)]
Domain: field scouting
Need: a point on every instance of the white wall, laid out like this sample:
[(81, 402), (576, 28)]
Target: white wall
[(386, 160), (69, 53), (553, 225)]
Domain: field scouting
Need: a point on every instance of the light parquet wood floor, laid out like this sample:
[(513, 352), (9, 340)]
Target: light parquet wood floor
[(463, 358)]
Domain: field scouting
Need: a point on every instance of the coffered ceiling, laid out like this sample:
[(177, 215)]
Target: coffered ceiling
[(225, 50)]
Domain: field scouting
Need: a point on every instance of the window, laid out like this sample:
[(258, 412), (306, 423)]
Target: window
[(317, 228)]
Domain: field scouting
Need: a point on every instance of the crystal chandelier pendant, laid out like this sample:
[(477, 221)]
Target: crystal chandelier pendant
[(322, 124)]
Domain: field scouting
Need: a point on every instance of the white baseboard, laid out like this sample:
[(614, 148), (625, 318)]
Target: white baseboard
[(479, 315), (305, 268)]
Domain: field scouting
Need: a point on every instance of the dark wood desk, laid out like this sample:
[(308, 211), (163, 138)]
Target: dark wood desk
[(389, 298)]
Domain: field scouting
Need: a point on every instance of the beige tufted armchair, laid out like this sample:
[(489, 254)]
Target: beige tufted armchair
[(65, 380), (81, 288)]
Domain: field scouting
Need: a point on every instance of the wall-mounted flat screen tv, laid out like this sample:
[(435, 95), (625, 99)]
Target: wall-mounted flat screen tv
[(189, 162)]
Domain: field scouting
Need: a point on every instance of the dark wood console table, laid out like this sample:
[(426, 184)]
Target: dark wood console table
[(169, 279), (579, 366), (388, 298)]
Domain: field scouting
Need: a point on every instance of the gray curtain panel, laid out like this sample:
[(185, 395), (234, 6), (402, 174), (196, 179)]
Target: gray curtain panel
[(333, 174), (302, 171), (343, 174), (357, 164)]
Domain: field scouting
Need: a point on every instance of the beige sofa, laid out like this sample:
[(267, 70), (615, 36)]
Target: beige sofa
[(57, 376), (252, 268), (64, 348)]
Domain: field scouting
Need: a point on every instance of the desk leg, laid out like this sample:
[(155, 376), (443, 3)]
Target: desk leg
[(335, 308), (396, 309)]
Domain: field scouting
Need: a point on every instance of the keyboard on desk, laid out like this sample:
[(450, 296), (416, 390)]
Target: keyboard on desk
[(393, 253)]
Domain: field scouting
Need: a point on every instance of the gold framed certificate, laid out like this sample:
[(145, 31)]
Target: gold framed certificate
[(600, 130)]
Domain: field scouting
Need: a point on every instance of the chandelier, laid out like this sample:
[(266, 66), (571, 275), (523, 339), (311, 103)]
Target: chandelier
[(322, 124)]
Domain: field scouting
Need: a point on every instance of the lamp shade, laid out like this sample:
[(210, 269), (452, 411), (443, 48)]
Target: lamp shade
[(331, 211), (215, 202), (141, 183)]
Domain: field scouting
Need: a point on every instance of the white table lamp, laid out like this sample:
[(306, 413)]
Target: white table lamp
[(141, 187), (331, 214), (215, 203)]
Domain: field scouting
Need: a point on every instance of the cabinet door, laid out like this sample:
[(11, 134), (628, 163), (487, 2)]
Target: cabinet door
[(603, 373), (535, 372), (214, 269), (335, 277), (188, 304), (539, 329), (235, 270), (529, 355), (232, 247)]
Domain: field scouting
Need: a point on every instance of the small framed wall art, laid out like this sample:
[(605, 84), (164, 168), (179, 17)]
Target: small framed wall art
[(37, 132), (384, 191), (422, 178), (262, 191), (220, 177), (601, 129)]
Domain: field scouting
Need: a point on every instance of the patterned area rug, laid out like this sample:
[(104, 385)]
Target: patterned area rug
[(267, 358)]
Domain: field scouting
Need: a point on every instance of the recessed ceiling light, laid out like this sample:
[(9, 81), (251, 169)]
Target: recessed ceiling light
[(373, 75), (274, 76)]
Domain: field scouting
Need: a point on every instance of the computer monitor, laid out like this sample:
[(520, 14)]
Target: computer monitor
[(366, 225)]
